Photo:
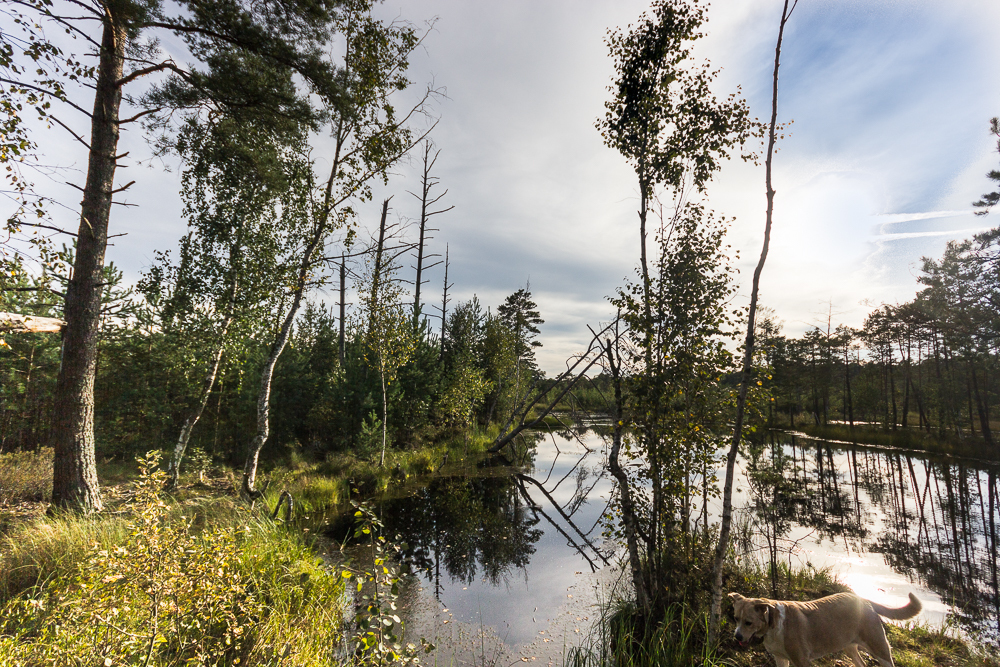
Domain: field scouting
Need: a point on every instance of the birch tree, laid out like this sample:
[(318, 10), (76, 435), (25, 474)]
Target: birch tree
[(369, 137), (746, 377), (236, 185), (675, 134)]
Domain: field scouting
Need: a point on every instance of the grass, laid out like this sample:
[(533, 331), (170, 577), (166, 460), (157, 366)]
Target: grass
[(225, 583), (327, 485), (165, 582), (26, 476)]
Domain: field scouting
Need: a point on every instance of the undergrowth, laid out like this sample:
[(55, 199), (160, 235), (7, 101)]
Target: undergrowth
[(149, 587), (26, 476), (203, 581)]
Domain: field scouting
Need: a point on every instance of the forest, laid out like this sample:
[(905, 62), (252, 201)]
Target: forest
[(929, 364), (283, 443)]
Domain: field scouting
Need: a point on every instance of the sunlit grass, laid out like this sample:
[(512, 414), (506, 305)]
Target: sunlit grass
[(258, 584), (26, 476), (315, 487)]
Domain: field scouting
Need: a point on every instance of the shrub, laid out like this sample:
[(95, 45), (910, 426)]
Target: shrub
[(245, 593)]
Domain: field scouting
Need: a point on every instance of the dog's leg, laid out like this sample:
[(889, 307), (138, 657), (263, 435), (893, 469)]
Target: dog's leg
[(780, 662), (852, 652), (875, 642), (798, 658)]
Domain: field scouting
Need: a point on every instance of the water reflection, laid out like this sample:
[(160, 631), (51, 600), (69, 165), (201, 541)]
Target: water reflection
[(466, 527), (506, 547), (932, 519)]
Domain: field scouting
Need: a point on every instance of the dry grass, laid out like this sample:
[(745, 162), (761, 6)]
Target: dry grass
[(34, 551), (26, 476)]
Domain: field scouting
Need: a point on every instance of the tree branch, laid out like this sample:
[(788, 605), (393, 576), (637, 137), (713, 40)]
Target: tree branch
[(66, 127), (159, 67)]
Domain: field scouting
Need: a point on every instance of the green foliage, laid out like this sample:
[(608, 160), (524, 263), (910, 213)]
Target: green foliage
[(378, 629), (166, 594), (521, 316), (677, 401), (35, 74), (662, 116), (928, 365), (990, 199)]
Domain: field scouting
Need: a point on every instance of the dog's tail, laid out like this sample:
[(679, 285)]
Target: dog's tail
[(909, 611)]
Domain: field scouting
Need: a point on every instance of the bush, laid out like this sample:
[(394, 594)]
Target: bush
[(242, 593)]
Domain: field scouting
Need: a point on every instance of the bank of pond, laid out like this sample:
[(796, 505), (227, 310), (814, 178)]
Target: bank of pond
[(490, 560)]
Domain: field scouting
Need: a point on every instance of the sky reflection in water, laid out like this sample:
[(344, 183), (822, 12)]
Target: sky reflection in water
[(502, 571)]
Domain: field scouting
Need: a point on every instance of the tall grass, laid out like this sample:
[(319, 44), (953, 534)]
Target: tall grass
[(205, 582), (623, 637), (26, 476), (37, 551)]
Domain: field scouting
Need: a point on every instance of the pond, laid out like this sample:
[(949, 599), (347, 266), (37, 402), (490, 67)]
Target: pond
[(887, 522), (511, 563)]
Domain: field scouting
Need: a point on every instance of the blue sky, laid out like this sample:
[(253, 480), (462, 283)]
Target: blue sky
[(890, 102), (889, 146)]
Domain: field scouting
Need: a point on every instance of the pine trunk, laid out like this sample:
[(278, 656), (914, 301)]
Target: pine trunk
[(74, 479)]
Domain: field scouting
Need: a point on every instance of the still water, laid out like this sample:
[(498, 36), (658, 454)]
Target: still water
[(511, 563)]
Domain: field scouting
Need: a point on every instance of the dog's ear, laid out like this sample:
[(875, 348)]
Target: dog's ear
[(767, 612), (735, 597)]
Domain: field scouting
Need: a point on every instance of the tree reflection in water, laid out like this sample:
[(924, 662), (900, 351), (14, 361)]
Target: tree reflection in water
[(938, 516), (485, 523), (471, 526)]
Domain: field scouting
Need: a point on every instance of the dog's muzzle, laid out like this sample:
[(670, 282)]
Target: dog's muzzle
[(753, 640)]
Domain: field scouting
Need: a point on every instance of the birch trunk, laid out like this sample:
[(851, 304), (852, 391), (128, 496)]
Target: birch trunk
[(206, 391), (725, 528)]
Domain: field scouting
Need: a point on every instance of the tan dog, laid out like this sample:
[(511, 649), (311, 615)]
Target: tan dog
[(800, 632)]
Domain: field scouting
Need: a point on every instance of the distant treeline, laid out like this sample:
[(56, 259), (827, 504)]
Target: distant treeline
[(932, 363), (150, 368)]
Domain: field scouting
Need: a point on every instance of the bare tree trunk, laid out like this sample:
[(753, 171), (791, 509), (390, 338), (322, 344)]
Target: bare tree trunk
[(74, 479), (427, 183), (984, 419), (727, 494), (206, 391), (385, 415), (629, 520), (264, 398), (847, 382), (342, 342), (377, 271), (444, 303)]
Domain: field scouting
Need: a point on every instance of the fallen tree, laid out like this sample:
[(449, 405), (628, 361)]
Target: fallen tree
[(15, 323), (520, 418)]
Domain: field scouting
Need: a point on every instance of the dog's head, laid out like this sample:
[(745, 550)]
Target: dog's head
[(754, 617)]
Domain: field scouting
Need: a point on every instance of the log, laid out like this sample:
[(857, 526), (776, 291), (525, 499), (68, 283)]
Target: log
[(15, 323)]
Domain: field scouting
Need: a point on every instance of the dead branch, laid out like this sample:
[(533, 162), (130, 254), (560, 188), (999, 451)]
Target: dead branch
[(16, 323), (570, 377)]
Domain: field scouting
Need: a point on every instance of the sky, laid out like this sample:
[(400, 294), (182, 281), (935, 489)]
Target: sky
[(889, 145)]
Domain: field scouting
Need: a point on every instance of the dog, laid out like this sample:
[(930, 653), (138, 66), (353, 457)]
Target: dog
[(800, 632)]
